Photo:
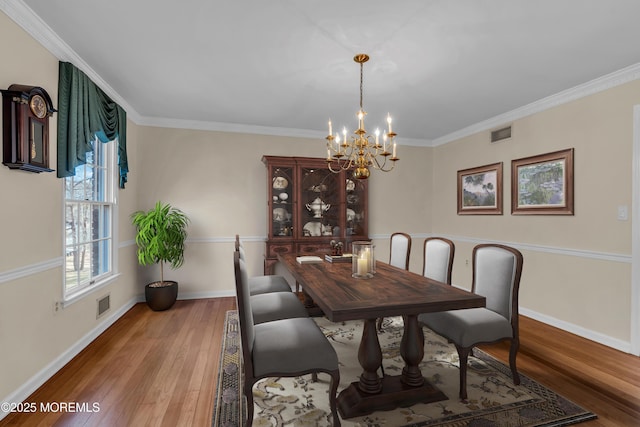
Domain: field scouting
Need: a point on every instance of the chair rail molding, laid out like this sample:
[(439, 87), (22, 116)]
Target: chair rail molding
[(604, 256)]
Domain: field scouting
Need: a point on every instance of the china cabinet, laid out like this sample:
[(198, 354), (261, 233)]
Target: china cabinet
[(308, 206)]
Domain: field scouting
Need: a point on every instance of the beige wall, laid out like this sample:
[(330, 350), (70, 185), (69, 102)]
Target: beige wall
[(32, 337), (566, 273), (218, 179)]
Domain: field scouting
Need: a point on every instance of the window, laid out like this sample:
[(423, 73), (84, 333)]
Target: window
[(90, 209)]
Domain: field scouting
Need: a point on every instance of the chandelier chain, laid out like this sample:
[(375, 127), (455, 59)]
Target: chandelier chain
[(361, 85)]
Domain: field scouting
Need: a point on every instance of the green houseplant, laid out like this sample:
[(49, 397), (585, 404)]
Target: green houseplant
[(161, 233)]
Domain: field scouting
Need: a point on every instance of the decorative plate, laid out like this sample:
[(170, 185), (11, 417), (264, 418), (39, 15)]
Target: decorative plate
[(280, 183), (280, 214)]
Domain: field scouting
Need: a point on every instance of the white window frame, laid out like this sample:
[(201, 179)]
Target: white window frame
[(110, 201)]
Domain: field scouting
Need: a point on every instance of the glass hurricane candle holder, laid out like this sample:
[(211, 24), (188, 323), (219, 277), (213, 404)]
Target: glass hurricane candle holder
[(363, 260)]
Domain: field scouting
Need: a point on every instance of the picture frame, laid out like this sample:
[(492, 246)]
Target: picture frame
[(480, 190), (543, 184)]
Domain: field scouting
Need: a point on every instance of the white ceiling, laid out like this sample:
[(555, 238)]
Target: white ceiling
[(286, 66)]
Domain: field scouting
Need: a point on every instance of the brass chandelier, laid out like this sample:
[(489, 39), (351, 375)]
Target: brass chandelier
[(361, 150)]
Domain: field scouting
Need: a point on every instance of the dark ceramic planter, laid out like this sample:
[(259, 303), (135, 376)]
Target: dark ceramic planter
[(161, 298)]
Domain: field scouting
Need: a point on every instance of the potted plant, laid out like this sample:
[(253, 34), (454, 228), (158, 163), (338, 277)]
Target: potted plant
[(160, 237)]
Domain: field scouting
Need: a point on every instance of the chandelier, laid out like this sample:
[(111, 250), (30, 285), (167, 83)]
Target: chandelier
[(361, 151)]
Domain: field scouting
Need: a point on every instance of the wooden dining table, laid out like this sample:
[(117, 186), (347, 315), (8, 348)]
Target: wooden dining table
[(390, 292)]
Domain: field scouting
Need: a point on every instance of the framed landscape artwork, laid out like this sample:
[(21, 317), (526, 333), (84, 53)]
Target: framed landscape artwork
[(480, 190), (543, 184)]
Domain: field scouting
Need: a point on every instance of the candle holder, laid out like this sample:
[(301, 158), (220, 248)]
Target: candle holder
[(363, 260)]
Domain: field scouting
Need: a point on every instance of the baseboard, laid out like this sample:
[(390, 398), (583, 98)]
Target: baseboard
[(598, 337), (22, 393)]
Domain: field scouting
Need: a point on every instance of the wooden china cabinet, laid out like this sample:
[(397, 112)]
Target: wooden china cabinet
[(308, 206)]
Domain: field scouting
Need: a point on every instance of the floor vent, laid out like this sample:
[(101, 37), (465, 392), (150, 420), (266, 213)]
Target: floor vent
[(104, 304), (500, 134)]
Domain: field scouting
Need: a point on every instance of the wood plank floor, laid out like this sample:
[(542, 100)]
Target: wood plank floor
[(160, 369)]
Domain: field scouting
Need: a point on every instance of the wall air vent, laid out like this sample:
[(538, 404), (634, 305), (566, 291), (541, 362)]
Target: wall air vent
[(500, 134), (104, 304)]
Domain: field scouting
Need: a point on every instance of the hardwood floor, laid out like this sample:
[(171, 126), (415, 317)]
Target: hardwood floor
[(160, 369)]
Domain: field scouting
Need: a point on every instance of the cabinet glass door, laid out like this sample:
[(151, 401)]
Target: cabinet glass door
[(356, 192), (319, 203), (282, 201)]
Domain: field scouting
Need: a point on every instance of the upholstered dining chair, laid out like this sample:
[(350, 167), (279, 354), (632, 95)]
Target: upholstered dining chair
[(263, 284), (496, 276), (400, 249), (399, 252), (437, 260), (281, 348)]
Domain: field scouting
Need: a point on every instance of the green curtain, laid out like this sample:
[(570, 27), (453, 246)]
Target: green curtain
[(86, 112)]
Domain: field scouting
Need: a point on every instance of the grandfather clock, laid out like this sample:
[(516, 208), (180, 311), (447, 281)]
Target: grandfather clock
[(25, 128)]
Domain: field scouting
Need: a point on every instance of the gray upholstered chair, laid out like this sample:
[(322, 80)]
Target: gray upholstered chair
[(496, 276), (400, 250), (281, 348), (263, 284), (275, 306), (437, 260)]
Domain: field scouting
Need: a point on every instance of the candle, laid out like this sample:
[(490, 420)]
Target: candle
[(362, 266), (360, 122), (330, 128), (389, 121), (377, 135), (328, 153), (384, 141), (367, 256), (394, 149)]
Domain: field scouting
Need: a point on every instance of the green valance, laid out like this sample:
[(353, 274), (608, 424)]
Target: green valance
[(84, 113)]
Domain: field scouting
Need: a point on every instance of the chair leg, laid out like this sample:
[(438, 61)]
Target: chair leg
[(314, 377), (380, 324), (513, 351), (463, 355), (333, 396), (248, 393)]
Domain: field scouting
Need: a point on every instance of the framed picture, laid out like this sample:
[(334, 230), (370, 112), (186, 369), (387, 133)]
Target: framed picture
[(543, 185), (480, 190)]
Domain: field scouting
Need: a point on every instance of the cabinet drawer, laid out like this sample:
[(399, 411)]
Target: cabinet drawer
[(273, 249), (308, 248)]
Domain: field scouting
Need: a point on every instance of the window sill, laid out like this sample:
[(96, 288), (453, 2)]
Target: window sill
[(79, 295)]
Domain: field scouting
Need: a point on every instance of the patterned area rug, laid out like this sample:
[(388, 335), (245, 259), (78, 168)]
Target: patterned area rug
[(493, 399)]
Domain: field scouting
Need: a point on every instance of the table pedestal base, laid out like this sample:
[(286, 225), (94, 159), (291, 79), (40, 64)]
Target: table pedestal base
[(352, 402)]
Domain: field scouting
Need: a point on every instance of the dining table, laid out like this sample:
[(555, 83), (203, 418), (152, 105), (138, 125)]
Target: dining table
[(390, 292)]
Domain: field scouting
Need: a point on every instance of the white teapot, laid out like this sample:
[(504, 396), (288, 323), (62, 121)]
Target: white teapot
[(317, 207)]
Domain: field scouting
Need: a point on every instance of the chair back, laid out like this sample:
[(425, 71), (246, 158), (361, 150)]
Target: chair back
[(237, 242), (400, 250), (245, 314), (438, 259), (496, 276)]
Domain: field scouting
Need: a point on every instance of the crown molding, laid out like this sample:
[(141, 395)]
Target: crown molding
[(30, 22), (599, 84)]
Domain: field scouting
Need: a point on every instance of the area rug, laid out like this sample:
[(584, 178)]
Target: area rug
[(493, 399)]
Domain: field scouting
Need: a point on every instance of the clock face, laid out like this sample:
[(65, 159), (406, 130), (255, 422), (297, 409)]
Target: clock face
[(38, 106)]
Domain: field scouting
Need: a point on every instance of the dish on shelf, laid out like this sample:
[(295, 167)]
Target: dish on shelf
[(280, 214), (351, 214), (313, 229), (320, 188), (280, 183), (351, 185)]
